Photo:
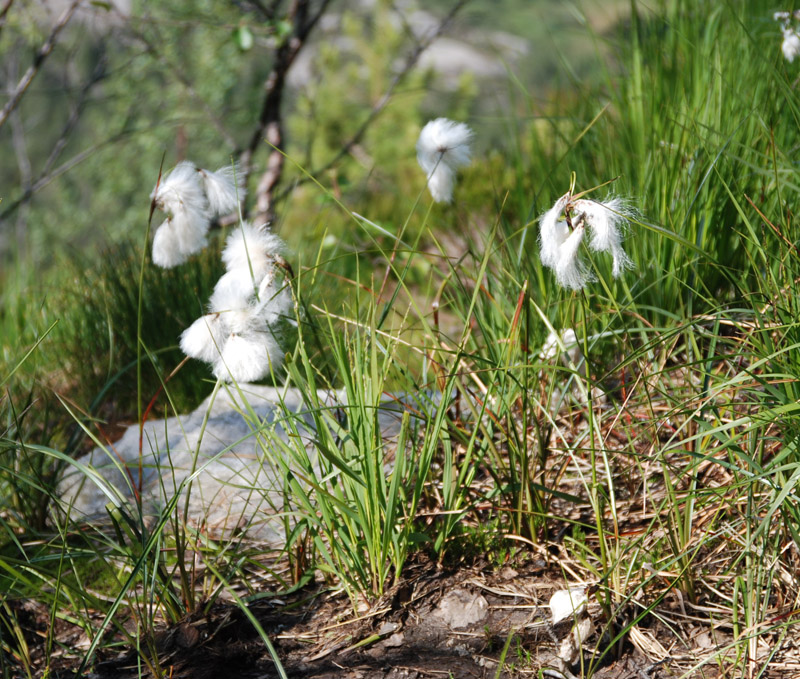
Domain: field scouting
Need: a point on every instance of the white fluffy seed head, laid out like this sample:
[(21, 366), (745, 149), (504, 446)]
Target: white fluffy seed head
[(791, 45), (242, 321), (571, 272), (224, 189), (553, 231), (443, 147), (248, 357), (177, 238), (441, 183), (205, 338), (234, 290), (607, 223), (180, 189), (251, 248), (249, 257), (191, 227), (167, 251), (180, 194), (274, 301)]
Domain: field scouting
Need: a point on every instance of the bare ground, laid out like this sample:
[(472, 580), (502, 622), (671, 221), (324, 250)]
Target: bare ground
[(415, 631)]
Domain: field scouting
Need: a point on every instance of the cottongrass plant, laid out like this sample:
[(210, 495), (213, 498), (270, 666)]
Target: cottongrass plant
[(790, 45), (562, 229), (791, 40), (191, 197), (238, 336), (442, 148)]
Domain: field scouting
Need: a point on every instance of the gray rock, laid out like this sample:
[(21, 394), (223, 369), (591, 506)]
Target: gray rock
[(225, 462), (460, 608)]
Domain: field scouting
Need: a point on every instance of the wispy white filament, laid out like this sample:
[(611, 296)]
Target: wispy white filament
[(553, 231), (248, 357), (791, 44), (166, 247), (179, 236), (785, 17), (443, 147), (248, 247), (180, 190), (249, 257), (205, 338), (234, 290), (180, 194), (191, 197), (606, 221), (224, 189), (570, 270)]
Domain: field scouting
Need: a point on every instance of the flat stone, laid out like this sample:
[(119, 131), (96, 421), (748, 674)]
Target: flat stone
[(460, 608), (225, 461)]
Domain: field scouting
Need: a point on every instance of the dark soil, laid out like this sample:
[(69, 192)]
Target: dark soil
[(317, 635)]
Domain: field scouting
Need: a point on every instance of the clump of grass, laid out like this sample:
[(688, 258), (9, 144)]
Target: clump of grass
[(661, 462), (98, 334)]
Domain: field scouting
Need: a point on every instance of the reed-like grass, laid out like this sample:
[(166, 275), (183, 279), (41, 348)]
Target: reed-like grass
[(662, 459)]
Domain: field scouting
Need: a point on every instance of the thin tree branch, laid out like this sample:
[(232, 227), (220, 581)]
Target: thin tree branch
[(267, 12), (20, 145), (98, 75), (409, 64), (44, 179), (4, 13), (270, 123), (38, 59), (30, 187), (18, 140)]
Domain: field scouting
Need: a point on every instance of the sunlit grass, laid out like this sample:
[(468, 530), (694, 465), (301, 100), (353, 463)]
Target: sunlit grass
[(663, 460)]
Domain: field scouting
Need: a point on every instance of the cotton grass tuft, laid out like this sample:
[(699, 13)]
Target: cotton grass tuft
[(563, 227), (607, 221), (224, 189), (790, 45), (442, 148), (240, 335), (191, 197)]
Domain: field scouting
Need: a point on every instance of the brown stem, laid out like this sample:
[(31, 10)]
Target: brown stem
[(270, 126)]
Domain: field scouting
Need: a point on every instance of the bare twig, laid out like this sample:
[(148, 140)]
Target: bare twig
[(45, 179), (38, 59), (31, 186), (268, 12), (410, 62), (18, 141), (4, 13), (270, 124)]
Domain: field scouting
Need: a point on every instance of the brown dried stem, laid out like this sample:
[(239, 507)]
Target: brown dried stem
[(270, 126)]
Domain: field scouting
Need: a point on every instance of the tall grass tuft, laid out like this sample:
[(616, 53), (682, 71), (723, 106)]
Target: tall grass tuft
[(98, 331)]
